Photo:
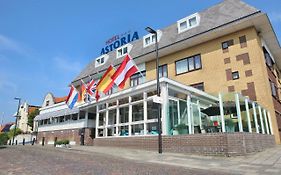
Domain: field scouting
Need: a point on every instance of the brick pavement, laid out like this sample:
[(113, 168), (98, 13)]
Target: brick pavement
[(265, 162), (37, 160)]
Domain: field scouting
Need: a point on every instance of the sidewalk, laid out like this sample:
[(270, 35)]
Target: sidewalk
[(266, 162)]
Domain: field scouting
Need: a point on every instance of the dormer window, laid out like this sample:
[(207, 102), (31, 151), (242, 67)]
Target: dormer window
[(122, 51), (188, 22), (101, 60), (150, 39)]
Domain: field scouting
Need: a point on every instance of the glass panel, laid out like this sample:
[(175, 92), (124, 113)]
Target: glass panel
[(137, 97), (152, 128), (67, 118), (74, 116), (181, 66), (125, 50), (263, 120), (244, 115), (137, 129), (112, 104), (91, 116), (101, 118), (123, 130), (196, 118), (197, 59), (124, 101), (119, 52), (112, 117), (101, 132), (147, 40), (153, 38), (137, 112), (152, 112), (111, 131), (124, 114), (190, 64), (82, 115), (102, 106), (183, 25), (252, 117), (173, 116), (192, 22)]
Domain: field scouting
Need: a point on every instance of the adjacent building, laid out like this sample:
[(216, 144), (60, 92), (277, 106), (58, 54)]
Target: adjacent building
[(220, 80), (22, 121)]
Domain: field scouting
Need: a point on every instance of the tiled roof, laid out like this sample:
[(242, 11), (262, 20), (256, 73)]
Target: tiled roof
[(223, 13), (59, 99)]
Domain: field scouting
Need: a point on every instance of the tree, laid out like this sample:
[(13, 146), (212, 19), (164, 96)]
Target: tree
[(31, 117), (11, 132), (3, 138)]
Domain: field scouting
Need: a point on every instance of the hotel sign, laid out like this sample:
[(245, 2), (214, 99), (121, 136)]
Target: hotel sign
[(119, 40)]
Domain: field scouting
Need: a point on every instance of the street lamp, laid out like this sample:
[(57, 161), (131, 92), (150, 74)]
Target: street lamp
[(150, 30), (19, 99)]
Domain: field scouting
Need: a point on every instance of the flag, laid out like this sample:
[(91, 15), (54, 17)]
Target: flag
[(83, 92), (97, 95), (72, 97), (124, 71), (106, 82), (91, 87)]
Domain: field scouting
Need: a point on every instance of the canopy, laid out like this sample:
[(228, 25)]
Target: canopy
[(56, 113)]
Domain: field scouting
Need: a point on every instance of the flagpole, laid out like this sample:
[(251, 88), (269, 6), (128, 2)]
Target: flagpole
[(137, 67)]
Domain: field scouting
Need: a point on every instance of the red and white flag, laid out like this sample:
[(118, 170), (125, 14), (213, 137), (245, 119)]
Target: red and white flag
[(124, 71)]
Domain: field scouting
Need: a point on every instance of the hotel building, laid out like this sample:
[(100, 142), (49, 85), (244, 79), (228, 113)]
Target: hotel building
[(219, 83)]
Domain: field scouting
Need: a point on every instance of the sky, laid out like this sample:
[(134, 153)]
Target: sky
[(44, 44)]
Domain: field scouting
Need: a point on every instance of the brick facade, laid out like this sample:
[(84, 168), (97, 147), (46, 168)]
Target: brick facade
[(71, 134), (227, 144)]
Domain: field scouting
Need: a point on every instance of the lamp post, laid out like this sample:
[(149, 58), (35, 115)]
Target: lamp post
[(19, 99), (153, 32)]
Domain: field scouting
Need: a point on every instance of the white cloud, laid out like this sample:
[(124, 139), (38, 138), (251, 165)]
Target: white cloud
[(275, 16), (67, 65)]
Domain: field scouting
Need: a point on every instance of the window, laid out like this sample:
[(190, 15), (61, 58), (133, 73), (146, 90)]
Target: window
[(243, 41), (47, 103), (122, 51), (226, 44), (268, 59), (137, 112), (163, 71), (101, 60), (150, 39), (273, 88), (188, 64), (199, 86), (235, 75), (124, 114), (137, 79), (188, 22), (152, 112)]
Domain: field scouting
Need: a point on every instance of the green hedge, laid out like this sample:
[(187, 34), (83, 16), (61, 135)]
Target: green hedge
[(62, 142), (3, 138)]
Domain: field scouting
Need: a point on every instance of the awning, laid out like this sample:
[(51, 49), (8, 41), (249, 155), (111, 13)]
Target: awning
[(56, 114)]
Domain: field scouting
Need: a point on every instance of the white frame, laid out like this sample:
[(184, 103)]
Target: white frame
[(159, 35), (105, 57), (129, 48), (186, 19)]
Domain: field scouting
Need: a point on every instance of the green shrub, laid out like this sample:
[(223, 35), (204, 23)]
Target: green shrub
[(62, 142), (3, 138), (11, 133)]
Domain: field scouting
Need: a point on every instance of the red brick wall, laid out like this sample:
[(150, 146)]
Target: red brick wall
[(215, 143), (69, 134)]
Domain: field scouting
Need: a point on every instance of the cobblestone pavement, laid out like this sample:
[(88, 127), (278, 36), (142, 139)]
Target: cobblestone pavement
[(267, 162), (29, 160)]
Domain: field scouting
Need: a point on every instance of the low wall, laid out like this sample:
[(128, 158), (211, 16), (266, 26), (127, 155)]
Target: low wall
[(70, 134), (227, 144)]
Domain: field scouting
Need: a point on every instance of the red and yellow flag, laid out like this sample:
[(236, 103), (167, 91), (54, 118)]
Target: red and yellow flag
[(106, 83)]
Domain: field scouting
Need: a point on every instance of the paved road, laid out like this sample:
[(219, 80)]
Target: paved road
[(37, 160)]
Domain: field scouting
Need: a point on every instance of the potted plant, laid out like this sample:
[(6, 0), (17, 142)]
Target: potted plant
[(63, 143), (182, 128)]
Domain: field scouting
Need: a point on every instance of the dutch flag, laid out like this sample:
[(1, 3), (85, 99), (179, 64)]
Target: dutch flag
[(72, 97)]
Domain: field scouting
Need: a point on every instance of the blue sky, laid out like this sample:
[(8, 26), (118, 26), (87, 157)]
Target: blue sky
[(45, 44)]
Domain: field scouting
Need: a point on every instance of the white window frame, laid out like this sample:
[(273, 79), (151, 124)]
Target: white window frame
[(129, 48), (105, 57), (186, 19), (149, 36)]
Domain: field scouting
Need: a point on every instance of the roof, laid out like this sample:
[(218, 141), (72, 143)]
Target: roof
[(59, 99), (213, 21), (6, 127), (32, 108)]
